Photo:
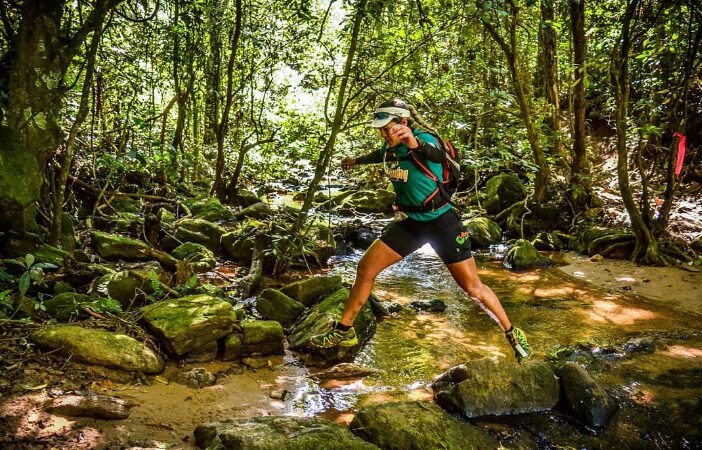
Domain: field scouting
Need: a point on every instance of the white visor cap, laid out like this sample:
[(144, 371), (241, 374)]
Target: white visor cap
[(382, 116)]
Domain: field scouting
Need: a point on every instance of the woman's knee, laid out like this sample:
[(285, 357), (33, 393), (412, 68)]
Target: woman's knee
[(472, 288), (366, 271)]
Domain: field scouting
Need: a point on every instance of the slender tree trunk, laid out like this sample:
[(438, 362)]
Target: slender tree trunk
[(578, 191), (646, 249), (218, 187), (519, 84), (213, 72), (66, 158), (547, 35)]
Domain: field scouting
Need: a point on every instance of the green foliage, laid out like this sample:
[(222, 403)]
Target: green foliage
[(33, 273)]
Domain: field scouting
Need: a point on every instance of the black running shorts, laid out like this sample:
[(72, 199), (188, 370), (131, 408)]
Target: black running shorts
[(446, 234)]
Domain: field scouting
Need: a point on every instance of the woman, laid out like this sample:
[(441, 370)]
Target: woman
[(411, 157)]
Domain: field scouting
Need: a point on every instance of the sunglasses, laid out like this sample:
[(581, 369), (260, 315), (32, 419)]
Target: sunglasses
[(383, 115)]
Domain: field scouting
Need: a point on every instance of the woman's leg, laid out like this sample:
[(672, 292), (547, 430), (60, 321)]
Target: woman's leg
[(466, 275), (376, 259)]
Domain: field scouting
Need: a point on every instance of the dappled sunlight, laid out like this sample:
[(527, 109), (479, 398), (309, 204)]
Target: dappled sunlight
[(609, 311), (680, 351)]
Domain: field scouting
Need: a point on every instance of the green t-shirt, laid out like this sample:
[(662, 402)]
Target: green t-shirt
[(411, 185)]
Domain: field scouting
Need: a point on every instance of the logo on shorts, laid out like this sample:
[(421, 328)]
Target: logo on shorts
[(461, 238)]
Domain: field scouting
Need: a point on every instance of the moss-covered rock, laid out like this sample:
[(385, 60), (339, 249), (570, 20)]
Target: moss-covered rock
[(210, 209), (113, 246), (201, 258), (201, 232), (52, 255), (309, 291), (367, 201), (98, 347), (320, 319), (523, 256), (417, 425), (128, 287), (483, 232), (550, 241), (262, 337), (233, 347), (69, 305), (502, 191), (274, 305), (278, 433), (489, 388), (258, 210), (239, 243), (189, 323), (245, 198)]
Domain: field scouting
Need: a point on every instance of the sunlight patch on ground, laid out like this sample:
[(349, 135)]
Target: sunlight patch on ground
[(684, 352), (608, 311)]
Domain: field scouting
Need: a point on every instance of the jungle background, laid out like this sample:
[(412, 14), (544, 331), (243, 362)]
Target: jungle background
[(192, 147)]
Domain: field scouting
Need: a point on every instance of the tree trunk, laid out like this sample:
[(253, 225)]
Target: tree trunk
[(519, 83), (547, 35), (646, 249), (578, 191), (41, 56)]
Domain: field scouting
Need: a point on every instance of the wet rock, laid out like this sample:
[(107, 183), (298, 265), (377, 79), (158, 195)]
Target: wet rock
[(597, 258), (258, 210), (320, 319), (115, 247), (367, 201), (361, 237), (189, 323), (70, 305), (486, 387), (274, 305), (502, 191), (263, 337), (344, 370), (524, 256), (201, 258), (309, 291), (586, 400), (483, 232), (640, 345), (99, 347), (233, 347), (417, 425), (201, 232), (210, 209), (246, 198), (91, 405), (279, 394), (239, 244), (255, 362), (278, 432), (196, 378), (429, 305)]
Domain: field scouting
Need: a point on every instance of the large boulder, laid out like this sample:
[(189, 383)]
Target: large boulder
[(189, 323), (524, 256), (210, 209), (98, 347), (367, 201), (321, 319), (258, 210), (201, 232), (51, 255), (278, 433), (113, 246), (417, 425), (309, 291), (502, 191), (201, 258), (262, 337), (585, 399), (489, 388), (245, 198), (274, 305), (70, 305), (483, 232)]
